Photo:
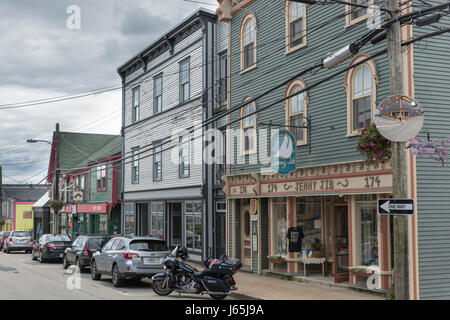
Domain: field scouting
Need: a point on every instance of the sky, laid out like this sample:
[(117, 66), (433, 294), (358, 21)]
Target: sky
[(47, 52)]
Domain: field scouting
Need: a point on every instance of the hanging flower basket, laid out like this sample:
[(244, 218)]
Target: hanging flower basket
[(373, 147)]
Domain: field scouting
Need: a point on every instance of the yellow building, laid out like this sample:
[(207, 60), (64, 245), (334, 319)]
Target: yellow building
[(23, 216)]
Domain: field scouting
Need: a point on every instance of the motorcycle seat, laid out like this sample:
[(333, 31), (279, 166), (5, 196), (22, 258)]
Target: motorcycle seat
[(204, 273)]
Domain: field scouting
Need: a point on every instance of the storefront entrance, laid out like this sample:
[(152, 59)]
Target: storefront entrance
[(246, 236), (340, 248)]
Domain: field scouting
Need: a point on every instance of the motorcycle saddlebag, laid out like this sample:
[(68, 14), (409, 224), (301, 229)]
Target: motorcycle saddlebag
[(214, 284)]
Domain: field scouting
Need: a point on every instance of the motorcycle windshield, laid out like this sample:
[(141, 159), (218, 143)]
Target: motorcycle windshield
[(174, 252)]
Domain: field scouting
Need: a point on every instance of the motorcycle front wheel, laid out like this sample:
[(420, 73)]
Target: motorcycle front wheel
[(161, 288)]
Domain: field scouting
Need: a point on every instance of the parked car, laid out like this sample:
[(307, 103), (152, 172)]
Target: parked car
[(18, 240), (3, 236), (50, 247), (82, 249), (129, 258)]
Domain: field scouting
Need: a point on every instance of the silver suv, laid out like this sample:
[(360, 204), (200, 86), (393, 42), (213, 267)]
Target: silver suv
[(125, 258), (18, 240)]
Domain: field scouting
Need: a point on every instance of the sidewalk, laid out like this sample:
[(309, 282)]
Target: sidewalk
[(252, 286)]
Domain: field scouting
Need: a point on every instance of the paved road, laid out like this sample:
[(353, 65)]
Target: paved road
[(22, 278)]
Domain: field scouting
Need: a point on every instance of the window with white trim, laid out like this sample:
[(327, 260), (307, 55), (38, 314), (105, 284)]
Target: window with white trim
[(184, 153), (296, 112), (357, 14), (136, 101), (248, 42), (157, 163), (248, 128), (101, 178), (157, 93), (361, 97), (135, 165), (295, 25), (360, 85), (185, 80)]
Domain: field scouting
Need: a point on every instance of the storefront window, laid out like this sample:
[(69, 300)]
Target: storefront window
[(308, 213), (63, 223), (279, 209), (367, 225), (157, 216), (103, 221), (129, 224), (194, 225)]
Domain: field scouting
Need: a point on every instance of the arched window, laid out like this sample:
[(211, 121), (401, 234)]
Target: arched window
[(295, 15), (360, 84), (248, 41), (296, 111), (248, 128)]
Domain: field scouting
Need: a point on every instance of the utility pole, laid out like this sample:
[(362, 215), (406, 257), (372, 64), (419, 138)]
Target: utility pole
[(399, 169), (57, 224)]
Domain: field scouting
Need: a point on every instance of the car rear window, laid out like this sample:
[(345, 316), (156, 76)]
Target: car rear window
[(57, 237), (97, 243), (6, 234), (148, 245), (20, 234)]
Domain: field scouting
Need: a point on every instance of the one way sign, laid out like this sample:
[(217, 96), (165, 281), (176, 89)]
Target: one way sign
[(396, 206)]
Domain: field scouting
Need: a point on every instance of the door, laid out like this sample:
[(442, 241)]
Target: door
[(108, 258), (220, 234), (100, 259), (340, 243), (143, 219), (177, 224), (246, 236)]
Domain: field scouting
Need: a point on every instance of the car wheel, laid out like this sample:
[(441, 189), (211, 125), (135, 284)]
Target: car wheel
[(65, 262), (41, 259), (94, 274), (80, 268), (117, 281), (218, 296)]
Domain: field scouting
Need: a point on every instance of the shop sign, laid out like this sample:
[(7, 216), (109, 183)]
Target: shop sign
[(78, 196), (92, 208), (361, 183), (282, 157), (396, 206), (253, 206)]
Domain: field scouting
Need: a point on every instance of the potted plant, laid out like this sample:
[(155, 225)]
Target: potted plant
[(316, 248), (275, 259)]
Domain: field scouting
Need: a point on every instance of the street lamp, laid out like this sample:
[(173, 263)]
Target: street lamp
[(35, 141)]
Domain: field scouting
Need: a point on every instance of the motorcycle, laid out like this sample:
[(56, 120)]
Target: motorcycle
[(216, 280)]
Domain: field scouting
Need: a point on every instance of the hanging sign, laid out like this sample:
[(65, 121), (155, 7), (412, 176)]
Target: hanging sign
[(396, 206), (78, 196), (253, 206), (282, 157), (399, 118)]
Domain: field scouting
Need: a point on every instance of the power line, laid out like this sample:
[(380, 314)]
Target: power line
[(406, 43)]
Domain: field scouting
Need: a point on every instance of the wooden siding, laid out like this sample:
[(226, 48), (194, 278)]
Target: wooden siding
[(431, 73), (327, 102), (159, 127), (170, 82)]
